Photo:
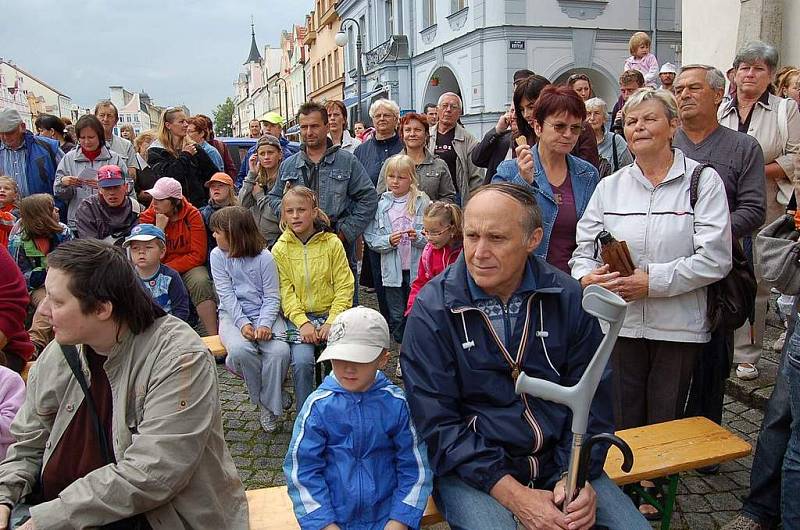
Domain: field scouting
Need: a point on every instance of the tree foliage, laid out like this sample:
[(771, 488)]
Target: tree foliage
[(223, 116)]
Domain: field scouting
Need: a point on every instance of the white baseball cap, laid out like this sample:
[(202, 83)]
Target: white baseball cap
[(357, 335), (668, 68)]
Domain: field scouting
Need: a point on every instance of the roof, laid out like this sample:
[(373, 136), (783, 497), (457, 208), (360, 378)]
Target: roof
[(20, 70), (255, 56)]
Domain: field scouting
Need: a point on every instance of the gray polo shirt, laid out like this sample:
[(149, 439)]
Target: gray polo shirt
[(124, 149), (738, 159)]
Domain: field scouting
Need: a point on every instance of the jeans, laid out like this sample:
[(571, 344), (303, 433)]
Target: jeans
[(791, 461), (374, 260), (467, 508), (396, 301), (302, 372), (261, 364), (762, 504), (352, 261)]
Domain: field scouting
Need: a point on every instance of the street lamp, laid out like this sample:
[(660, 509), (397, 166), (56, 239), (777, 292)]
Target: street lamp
[(341, 39), (276, 90)]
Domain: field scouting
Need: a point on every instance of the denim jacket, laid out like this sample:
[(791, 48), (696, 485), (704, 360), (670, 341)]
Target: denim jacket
[(377, 237), (346, 193), (584, 179)]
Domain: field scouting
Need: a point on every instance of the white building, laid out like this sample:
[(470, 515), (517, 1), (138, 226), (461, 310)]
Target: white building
[(415, 50), (30, 95)]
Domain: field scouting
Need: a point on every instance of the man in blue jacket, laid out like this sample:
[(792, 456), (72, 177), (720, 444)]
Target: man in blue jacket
[(498, 311), (30, 160)]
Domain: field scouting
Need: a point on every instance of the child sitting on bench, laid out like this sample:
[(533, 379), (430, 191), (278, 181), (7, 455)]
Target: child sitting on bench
[(355, 460)]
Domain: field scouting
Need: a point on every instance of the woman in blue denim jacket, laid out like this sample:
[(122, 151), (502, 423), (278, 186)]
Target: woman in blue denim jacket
[(562, 182)]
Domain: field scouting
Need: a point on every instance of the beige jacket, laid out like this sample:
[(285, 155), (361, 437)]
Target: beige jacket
[(776, 126), (172, 461), (468, 175)]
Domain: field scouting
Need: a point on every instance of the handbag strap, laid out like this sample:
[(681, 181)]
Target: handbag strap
[(71, 355), (695, 183), (614, 151)]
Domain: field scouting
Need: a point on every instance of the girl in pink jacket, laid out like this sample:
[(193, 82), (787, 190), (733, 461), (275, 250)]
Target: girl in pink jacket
[(442, 222), (641, 59), (12, 394)]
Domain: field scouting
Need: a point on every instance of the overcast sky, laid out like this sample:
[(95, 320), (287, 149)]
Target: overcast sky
[(177, 51)]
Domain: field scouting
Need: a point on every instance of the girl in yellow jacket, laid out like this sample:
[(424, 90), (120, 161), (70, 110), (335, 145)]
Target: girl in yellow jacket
[(316, 281)]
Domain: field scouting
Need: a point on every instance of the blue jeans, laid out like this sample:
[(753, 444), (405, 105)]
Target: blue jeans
[(762, 504), (467, 508), (302, 372), (396, 302), (791, 461), (261, 364)]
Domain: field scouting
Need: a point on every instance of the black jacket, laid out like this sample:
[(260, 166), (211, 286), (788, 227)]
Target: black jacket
[(192, 171), (491, 151)]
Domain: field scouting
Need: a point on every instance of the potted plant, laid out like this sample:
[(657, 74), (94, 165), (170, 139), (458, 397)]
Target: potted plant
[(435, 80)]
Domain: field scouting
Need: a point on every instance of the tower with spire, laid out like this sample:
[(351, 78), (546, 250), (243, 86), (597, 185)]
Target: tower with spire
[(254, 65), (255, 56)]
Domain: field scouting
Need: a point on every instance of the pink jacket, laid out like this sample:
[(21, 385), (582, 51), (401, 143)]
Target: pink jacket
[(432, 262), (12, 395), (647, 65)]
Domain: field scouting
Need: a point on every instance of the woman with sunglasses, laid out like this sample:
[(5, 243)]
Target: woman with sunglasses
[(582, 85), (563, 183)]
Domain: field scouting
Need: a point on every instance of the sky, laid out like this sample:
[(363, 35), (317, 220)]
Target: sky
[(177, 51)]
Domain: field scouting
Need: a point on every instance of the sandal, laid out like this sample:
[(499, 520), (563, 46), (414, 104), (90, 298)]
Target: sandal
[(657, 493)]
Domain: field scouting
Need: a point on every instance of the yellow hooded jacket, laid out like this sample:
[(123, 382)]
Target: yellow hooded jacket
[(315, 277)]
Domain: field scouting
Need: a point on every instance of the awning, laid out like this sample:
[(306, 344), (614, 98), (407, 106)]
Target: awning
[(294, 129), (349, 102)]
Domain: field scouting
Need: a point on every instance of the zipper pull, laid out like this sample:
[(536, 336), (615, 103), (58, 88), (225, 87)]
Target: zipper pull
[(515, 372)]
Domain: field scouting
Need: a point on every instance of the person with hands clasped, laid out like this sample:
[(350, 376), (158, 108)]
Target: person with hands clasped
[(248, 288), (346, 473), (316, 281), (678, 250)]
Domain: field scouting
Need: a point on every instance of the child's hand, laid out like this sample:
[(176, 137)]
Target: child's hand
[(308, 333), (248, 332), (394, 525), (394, 238), (263, 333), (322, 333), (412, 234), (162, 221), (253, 162)]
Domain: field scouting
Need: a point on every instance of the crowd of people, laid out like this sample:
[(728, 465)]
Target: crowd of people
[(117, 252)]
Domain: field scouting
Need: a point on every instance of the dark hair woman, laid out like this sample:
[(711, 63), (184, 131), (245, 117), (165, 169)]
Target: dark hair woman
[(563, 183), (54, 127)]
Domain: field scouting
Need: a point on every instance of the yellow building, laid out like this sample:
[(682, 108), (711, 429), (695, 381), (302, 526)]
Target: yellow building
[(325, 64)]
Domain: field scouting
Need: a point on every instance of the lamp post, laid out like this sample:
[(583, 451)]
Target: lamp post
[(341, 39), (276, 90)]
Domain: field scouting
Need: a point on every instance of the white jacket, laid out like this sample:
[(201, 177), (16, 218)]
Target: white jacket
[(682, 250)]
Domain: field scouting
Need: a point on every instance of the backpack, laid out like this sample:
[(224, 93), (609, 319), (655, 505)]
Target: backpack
[(731, 300)]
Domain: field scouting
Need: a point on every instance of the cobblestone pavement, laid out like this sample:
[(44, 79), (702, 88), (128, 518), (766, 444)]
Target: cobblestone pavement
[(704, 502)]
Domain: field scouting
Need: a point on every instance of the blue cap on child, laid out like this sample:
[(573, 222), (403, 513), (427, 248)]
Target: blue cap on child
[(144, 232)]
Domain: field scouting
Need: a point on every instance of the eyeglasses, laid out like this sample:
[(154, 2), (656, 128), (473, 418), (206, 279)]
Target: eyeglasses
[(449, 106), (435, 234), (561, 128)]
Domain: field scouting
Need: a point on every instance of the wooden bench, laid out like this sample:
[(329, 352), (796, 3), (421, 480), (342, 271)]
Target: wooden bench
[(661, 450), (215, 345)]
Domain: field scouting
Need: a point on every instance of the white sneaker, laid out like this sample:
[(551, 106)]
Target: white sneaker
[(779, 342), (398, 371), (746, 371), (269, 421)]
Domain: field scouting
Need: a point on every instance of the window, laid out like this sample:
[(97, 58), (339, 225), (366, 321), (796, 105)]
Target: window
[(330, 69), (336, 66), (457, 5), (428, 13), (324, 71), (389, 18)]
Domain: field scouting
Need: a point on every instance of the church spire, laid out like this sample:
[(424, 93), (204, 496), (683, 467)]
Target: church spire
[(255, 56)]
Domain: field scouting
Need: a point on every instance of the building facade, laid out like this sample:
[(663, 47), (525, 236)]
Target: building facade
[(31, 96), (324, 65), (415, 50), (135, 109)]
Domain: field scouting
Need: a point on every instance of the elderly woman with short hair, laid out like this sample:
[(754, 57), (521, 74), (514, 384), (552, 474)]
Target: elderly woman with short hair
[(678, 250), (775, 123), (611, 146)]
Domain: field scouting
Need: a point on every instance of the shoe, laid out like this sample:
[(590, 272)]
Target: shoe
[(779, 342), (708, 470), (398, 372), (743, 523), (286, 400), (269, 421), (746, 371)]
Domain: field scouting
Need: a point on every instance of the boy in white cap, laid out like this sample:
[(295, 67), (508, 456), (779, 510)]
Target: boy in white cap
[(355, 459), (667, 76)]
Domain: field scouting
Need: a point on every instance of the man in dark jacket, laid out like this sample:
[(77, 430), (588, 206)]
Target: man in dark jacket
[(111, 213), (496, 144), (497, 311), (30, 160)]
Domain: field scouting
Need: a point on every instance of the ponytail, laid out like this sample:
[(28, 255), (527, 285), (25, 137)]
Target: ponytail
[(449, 213)]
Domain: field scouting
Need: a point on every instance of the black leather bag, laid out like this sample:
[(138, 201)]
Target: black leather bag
[(731, 300)]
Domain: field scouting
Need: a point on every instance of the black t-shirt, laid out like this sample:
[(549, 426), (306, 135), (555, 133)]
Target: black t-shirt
[(445, 151)]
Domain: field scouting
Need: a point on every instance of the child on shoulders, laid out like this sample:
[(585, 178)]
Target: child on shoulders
[(641, 59), (345, 473)]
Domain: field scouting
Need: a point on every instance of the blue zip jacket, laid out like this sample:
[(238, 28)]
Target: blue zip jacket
[(343, 188), (373, 153), (584, 179), (355, 459), (460, 384), (377, 237), (43, 156), (286, 147)]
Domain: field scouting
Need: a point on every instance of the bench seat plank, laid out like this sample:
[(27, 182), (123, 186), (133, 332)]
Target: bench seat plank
[(672, 447), (215, 345), (271, 509)]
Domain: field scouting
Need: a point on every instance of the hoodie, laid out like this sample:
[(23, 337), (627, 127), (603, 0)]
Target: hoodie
[(186, 237)]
